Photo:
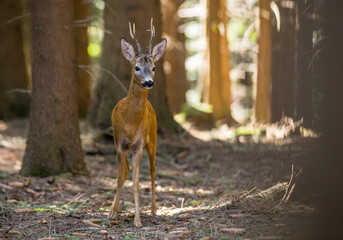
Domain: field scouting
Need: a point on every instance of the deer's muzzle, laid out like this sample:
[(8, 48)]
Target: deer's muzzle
[(148, 84)]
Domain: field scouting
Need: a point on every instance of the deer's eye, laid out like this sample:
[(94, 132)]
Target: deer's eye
[(137, 69), (153, 69)]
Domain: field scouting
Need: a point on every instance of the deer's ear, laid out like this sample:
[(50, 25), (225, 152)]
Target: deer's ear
[(159, 49), (127, 49)]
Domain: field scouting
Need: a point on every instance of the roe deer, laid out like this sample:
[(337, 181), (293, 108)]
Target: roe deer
[(134, 120)]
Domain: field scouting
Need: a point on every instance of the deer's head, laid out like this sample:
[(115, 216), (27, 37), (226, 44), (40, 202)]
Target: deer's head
[(143, 64)]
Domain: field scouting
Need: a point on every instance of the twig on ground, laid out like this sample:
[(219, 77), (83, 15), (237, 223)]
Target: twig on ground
[(73, 200), (291, 185), (244, 195)]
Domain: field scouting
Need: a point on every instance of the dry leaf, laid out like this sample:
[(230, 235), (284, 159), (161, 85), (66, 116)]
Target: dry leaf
[(97, 220), (90, 223), (25, 210), (27, 182), (51, 180), (103, 232), (31, 191), (131, 215), (182, 154), (16, 184), (184, 216), (42, 221), (15, 201), (180, 233), (113, 222), (14, 232), (203, 193), (233, 230), (79, 234), (238, 215), (5, 186)]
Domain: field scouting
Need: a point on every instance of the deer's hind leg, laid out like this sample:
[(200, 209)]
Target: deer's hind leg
[(151, 150)]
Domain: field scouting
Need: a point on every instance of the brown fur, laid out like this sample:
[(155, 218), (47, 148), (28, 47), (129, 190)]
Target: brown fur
[(134, 127)]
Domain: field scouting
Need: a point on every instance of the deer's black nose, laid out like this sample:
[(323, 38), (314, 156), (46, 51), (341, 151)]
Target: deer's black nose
[(148, 84)]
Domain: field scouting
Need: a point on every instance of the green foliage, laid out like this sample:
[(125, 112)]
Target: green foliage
[(190, 110), (247, 131), (94, 49), (236, 28)]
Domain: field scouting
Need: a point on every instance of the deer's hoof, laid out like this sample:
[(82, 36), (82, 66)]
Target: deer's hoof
[(112, 215), (137, 223)]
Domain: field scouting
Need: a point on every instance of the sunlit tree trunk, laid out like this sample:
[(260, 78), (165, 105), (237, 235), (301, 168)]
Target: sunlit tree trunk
[(175, 56), (262, 105), (81, 12), (53, 144), (13, 75), (107, 91), (216, 76), (304, 82)]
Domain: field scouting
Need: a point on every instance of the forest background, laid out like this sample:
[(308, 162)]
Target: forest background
[(239, 77)]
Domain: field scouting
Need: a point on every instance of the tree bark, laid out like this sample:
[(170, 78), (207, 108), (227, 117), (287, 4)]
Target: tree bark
[(175, 56), (304, 108), (12, 65), (277, 70), (81, 12), (288, 32), (283, 64), (262, 104), (53, 144), (216, 77), (107, 91)]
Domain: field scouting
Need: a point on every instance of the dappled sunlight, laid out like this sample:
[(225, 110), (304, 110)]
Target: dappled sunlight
[(221, 187), (250, 133)]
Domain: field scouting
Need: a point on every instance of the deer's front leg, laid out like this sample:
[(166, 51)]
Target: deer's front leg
[(123, 171), (137, 158)]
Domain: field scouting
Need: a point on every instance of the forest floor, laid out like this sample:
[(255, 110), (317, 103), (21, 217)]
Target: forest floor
[(205, 190)]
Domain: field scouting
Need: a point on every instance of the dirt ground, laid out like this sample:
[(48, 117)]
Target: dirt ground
[(205, 190)]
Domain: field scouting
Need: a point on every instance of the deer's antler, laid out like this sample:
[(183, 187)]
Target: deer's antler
[(133, 36), (152, 34)]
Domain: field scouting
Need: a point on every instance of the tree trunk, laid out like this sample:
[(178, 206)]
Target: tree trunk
[(277, 70), (304, 82), (216, 76), (107, 91), (13, 74), (262, 105), (283, 64), (81, 12), (26, 32), (288, 33), (53, 144), (175, 56)]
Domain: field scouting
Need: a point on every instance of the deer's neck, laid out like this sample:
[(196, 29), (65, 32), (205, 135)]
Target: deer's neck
[(137, 97)]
